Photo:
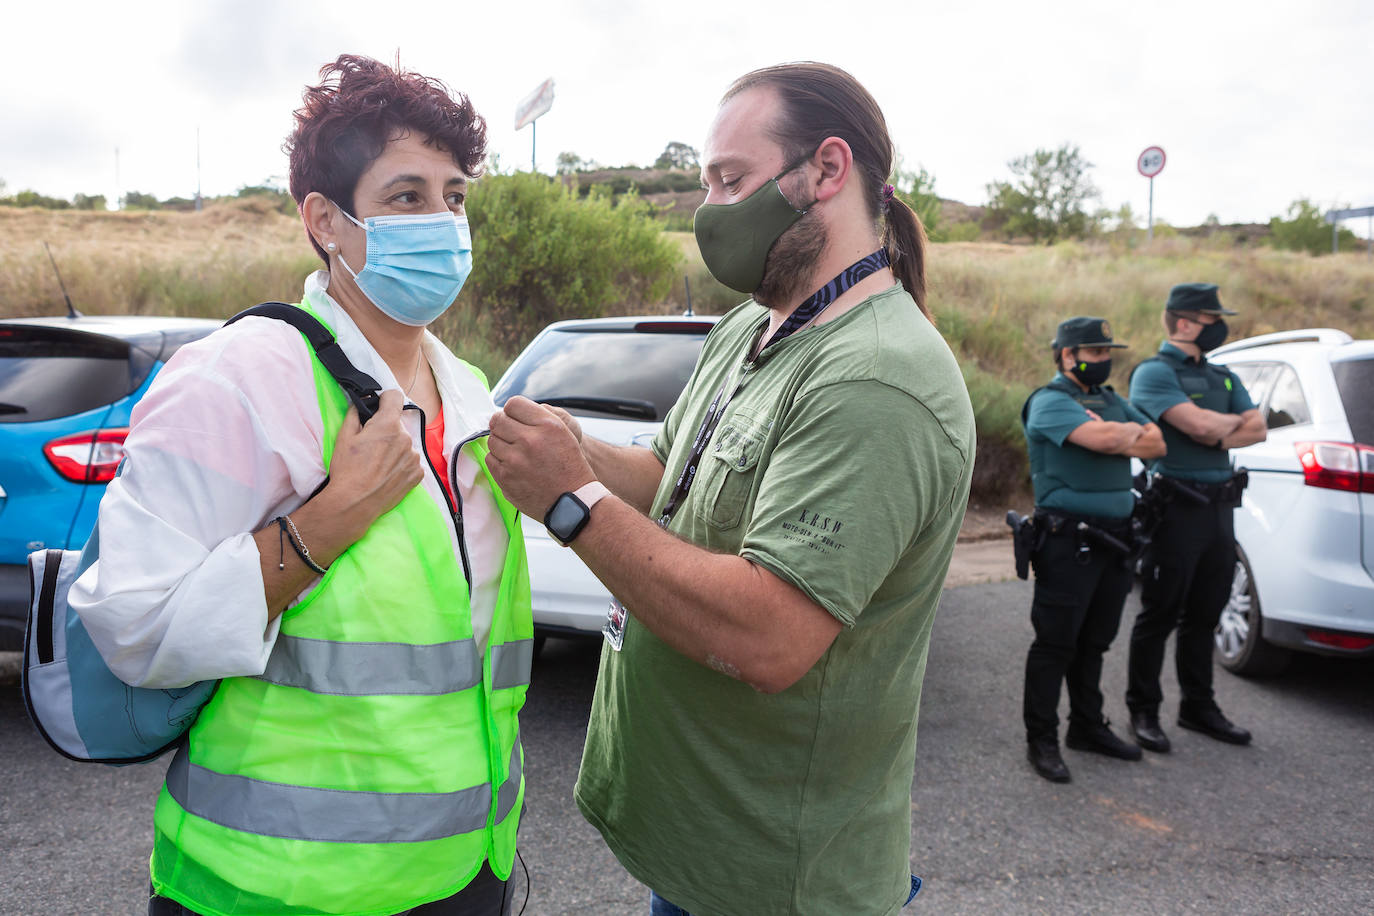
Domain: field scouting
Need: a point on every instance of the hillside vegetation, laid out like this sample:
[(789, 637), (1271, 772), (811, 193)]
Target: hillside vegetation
[(996, 304)]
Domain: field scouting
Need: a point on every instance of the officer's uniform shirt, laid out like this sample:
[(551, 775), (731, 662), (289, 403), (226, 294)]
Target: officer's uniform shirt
[(1067, 476), (1173, 378)]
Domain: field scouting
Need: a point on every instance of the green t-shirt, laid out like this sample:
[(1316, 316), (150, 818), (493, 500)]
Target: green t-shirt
[(1067, 476), (843, 467), (1171, 378)]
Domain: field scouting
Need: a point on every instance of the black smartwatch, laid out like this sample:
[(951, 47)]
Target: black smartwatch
[(570, 512)]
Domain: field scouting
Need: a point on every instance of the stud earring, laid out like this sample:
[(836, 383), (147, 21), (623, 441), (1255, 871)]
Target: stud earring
[(332, 247)]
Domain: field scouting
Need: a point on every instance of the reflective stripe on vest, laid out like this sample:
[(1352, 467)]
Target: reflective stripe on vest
[(393, 668), (511, 663), (334, 815)]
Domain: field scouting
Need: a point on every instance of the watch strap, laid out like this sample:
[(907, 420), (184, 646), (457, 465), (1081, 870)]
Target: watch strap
[(591, 493)]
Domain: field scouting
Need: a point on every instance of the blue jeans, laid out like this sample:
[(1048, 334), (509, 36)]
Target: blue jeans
[(660, 907)]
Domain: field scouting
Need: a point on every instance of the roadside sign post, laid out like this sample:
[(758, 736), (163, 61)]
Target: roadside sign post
[(530, 108), (1334, 217), (1150, 163)]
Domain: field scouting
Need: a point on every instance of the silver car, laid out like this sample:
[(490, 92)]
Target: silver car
[(1304, 577), (619, 376)]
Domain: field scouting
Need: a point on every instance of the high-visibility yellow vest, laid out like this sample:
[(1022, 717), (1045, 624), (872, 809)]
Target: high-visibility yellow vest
[(376, 763)]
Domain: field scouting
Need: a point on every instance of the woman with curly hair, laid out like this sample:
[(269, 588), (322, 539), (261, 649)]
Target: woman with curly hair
[(359, 589)]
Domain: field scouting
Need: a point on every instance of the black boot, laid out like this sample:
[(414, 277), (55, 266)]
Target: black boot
[(1043, 754), (1211, 722), (1148, 734), (1101, 740)]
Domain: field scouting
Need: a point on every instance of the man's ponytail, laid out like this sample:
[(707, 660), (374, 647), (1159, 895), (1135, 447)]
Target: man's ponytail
[(905, 240)]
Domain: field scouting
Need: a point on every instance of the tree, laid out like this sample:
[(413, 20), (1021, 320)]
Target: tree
[(678, 156), (1047, 197), (567, 163), (1306, 229), (34, 199), (917, 190), (136, 200), (89, 201)]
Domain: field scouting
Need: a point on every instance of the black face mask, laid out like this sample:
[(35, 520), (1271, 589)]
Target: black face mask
[(1091, 374), (1212, 336)]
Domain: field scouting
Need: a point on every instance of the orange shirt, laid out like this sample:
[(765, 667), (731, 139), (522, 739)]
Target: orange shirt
[(434, 449)]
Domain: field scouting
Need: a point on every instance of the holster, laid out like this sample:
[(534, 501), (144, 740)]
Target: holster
[(1231, 490), (1154, 492), (1026, 538)]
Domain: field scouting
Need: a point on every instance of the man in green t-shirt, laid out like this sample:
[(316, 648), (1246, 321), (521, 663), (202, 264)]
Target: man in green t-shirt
[(752, 741)]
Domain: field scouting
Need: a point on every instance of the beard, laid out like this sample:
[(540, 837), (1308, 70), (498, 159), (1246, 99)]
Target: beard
[(792, 261)]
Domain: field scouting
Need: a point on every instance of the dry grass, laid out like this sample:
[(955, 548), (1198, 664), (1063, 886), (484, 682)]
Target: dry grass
[(207, 264), (997, 304)]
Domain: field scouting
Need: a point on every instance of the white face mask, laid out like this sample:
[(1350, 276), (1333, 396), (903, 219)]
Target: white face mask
[(415, 264)]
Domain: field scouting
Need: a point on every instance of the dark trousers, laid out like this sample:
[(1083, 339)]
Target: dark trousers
[(485, 895), (1186, 582), (1075, 612)]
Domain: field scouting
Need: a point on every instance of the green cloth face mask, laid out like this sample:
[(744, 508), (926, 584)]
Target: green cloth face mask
[(735, 238)]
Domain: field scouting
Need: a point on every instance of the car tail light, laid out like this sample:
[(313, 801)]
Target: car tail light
[(89, 457), (1337, 465), (1340, 640)]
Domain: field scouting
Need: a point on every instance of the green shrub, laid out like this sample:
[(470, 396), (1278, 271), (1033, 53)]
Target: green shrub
[(542, 254), (1307, 230), (1000, 466), (137, 200), (34, 199), (956, 232)]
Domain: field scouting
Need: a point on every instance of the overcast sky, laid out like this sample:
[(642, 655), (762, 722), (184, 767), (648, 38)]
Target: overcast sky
[(1255, 104)]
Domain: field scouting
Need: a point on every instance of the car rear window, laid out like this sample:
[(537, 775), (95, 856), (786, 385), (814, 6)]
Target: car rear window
[(48, 372), (617, 366), (1355, 381)]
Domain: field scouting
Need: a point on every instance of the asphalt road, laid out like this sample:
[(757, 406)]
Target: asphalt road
[(1283, 826)]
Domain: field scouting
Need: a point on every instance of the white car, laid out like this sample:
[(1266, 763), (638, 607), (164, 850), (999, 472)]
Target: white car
[(619, 377), (1304, 575)]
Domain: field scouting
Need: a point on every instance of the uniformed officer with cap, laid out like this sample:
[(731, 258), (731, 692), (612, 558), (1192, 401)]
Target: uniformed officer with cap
[(1204, 411), (1080, 435)]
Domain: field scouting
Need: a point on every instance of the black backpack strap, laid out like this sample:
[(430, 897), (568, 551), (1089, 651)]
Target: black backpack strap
[(362, 389)]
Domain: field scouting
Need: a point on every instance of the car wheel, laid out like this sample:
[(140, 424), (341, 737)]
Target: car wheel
[(1240, 647)]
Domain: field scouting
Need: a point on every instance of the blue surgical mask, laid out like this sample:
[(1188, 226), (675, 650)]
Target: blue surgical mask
[(415, 264)]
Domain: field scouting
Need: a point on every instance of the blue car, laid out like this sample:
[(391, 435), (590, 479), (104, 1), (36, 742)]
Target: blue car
[(67, 389)]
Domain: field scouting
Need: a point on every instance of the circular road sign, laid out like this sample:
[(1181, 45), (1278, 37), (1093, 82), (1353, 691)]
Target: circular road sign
[(1151, 162)]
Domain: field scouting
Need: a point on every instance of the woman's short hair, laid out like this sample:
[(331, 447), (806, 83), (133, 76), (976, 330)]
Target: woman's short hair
[(360, 104)]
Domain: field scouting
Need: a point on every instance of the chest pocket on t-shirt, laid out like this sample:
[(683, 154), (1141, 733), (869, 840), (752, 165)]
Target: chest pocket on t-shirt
[(728, 468)]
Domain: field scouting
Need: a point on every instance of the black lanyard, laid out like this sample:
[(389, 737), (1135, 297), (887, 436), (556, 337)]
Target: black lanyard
[(802, 316)]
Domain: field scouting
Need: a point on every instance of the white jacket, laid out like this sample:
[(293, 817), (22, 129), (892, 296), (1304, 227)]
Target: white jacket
[(228, 437)]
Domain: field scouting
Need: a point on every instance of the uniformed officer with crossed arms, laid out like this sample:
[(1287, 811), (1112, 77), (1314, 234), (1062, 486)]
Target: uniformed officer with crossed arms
[(1081, 436), (1204, 411)]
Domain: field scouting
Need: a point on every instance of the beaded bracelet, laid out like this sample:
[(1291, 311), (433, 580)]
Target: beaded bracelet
[(294, 536)]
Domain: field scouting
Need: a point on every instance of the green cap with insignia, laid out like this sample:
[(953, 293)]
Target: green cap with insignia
[(1196, 297), (1084, 331)]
